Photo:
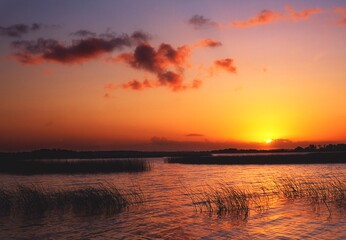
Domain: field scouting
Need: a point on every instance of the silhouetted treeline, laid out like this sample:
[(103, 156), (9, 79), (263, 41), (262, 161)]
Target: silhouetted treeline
[(308, 158), (68, 154), (310, 148), (32, 167)]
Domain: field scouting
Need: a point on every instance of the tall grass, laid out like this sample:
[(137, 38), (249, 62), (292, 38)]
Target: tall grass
[(32, 167), (34, 200), (329, 193), (225, 199)]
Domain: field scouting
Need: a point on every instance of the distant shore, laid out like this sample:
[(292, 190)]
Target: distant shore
[(70, 154), (298, 158)]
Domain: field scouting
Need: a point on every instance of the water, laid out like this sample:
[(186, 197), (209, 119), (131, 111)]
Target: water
[(168, 212)]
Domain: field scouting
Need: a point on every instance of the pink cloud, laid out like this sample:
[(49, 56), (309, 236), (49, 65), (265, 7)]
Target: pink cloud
[(227, 64), (268, 16), (264, 17)]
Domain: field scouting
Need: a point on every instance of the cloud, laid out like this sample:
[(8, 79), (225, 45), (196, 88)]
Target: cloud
[(208, 43), (138, 85), (166, 63), (199, 21), (264, 17), (141, 36), (226, 64), (303, 14), (194, 135), (268, 16), (41, 50), (18, 30)]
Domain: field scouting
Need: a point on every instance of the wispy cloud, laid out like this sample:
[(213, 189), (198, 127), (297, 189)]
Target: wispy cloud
[(264, 17), (268, 16), (208, 43), (303, 14)]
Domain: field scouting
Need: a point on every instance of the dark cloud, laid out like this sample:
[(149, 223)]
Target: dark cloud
[(141, 36), (89, 46), (226, 64), (138, 36), (81, 50), (166, 62), (17, 30), (194, 135), (199, 21)]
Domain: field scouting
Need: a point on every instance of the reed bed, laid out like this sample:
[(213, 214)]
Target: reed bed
[(329, 193), (35, 201), (226, 199), (33, 167)]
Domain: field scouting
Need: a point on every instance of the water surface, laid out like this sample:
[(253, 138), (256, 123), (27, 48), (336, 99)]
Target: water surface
[(169, 214)]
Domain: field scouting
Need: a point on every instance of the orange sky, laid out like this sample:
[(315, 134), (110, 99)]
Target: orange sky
[(214, 75)]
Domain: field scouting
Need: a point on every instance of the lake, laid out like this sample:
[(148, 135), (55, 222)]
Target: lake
[(168, 212)]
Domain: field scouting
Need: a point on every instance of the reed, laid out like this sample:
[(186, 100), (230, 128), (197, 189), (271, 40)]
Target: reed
[(32, 167), (330, 193), (34, 200), (225, 199)]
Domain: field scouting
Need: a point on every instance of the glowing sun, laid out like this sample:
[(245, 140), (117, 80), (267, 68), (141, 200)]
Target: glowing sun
[(269, 140)]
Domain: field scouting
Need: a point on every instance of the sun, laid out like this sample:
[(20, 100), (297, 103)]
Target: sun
[(269, 140)]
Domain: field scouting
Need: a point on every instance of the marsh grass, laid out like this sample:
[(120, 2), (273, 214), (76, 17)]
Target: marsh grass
[(329, 193), (225, 199), (33, 167), (36, 201)]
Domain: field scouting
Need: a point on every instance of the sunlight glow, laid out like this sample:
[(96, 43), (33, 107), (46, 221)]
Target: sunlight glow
[(269, 140)]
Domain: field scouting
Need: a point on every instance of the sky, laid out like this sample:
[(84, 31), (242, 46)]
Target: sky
[(171, 75)]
